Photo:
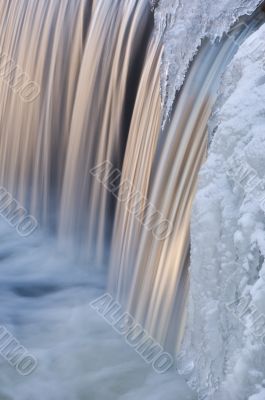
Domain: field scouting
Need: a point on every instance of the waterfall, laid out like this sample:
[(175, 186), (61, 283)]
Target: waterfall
[(97, 65), (101, 115), (150, 276), (45, 40)]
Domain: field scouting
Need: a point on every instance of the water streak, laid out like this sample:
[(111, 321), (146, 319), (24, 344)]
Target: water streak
[(98, 67)]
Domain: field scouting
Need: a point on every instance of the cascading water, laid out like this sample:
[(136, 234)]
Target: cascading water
[(40, 37), (98, 67), (99, 118), (150, 275)]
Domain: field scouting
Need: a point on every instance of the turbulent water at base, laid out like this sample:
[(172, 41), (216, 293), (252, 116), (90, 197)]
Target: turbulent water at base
[(98, 65)]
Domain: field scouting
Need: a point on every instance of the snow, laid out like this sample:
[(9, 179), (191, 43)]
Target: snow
[(183, 24), (228, 241)]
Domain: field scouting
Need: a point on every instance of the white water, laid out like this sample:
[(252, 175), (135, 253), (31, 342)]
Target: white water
[(46, 152), (45, 305)]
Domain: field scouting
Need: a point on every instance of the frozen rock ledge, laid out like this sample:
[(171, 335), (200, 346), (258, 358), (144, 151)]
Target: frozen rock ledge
[(225, 336), (183, 24)]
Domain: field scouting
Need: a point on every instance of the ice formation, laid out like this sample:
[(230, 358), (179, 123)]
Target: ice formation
[(183, 24), (225, 340)]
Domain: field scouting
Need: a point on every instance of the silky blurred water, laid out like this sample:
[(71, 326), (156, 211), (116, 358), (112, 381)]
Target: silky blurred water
[(45, 304)]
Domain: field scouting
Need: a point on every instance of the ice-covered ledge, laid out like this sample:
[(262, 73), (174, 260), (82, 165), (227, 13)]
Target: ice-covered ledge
[(184, 23), (225, 337)]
